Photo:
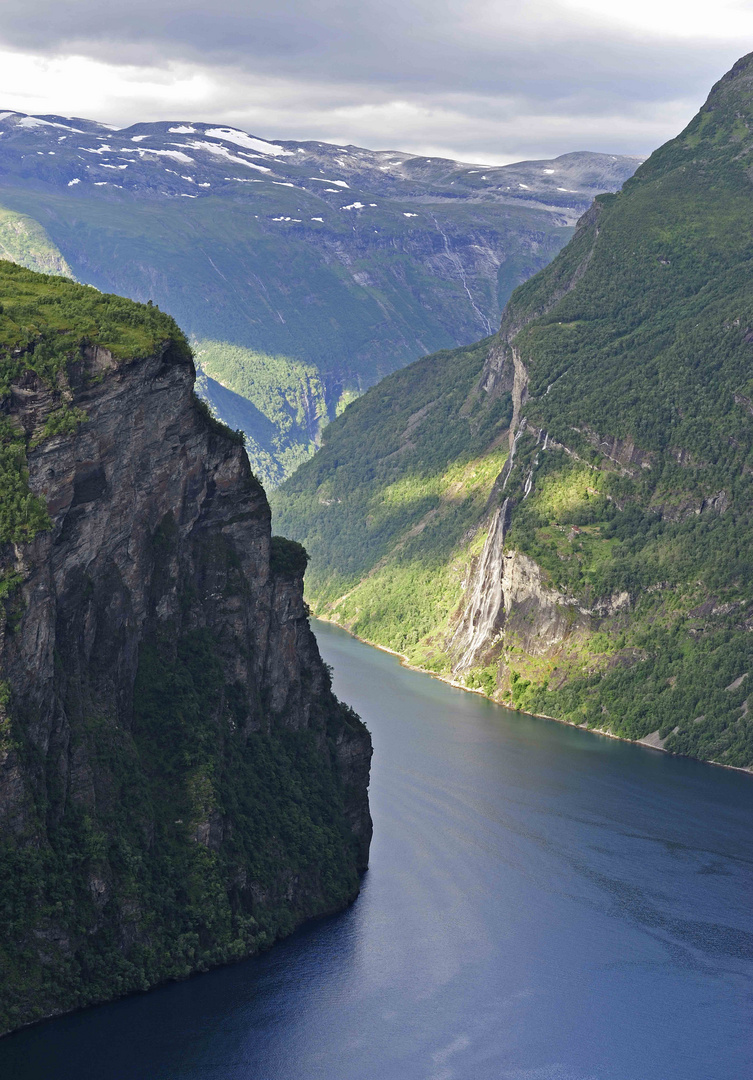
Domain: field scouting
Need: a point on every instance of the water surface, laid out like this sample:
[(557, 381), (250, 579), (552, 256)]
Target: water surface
[(542, 904)]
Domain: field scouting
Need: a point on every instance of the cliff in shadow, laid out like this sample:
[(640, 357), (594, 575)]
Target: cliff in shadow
[(178, 785)]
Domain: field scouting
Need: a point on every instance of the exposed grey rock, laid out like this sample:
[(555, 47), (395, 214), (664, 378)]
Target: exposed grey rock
[(159, 529)]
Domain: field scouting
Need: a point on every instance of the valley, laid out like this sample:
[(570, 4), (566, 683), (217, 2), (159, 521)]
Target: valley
[(301, 272), (376, 541)]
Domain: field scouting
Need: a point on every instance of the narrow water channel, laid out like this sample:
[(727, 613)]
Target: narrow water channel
[(542, 904)]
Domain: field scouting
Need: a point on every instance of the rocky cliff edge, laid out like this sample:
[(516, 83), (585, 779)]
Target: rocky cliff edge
[(178, 784)]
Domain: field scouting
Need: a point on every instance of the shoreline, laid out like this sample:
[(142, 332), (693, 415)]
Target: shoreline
[(404, 662)]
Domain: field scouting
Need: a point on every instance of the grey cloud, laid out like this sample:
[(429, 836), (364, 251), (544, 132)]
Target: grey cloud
[(487, 63), (405, 44)]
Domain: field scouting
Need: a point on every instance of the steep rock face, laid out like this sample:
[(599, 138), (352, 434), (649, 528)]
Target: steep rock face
[(510, 608), (178, 785)]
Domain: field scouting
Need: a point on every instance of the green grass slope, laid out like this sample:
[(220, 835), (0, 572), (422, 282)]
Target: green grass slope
[(631, 361), (24, 241), (385, 503)]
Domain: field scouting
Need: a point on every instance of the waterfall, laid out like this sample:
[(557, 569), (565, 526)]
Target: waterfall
[(507, 469), (485, 599), (529, 479)]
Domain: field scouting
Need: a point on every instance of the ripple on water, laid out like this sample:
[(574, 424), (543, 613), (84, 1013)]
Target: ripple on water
[(542, 904)]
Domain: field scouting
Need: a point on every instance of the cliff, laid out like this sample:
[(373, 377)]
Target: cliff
[(178, 785), (561, 515)]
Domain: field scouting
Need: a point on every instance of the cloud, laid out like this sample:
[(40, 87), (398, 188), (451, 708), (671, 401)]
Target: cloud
[(483, 80)]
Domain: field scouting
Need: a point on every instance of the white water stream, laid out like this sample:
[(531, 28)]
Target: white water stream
[(486, 598)]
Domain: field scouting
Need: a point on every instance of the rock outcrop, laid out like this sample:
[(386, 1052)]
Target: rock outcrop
[(178, 784)]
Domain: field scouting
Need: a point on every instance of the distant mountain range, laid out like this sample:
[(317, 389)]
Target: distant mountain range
[(303, 271)]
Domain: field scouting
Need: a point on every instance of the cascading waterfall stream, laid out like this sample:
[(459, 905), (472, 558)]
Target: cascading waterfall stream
[(486, 597), (529, 479), (456, 262), (507, 468)]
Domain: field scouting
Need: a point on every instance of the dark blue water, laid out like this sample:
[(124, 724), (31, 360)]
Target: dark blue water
[(542, 904)]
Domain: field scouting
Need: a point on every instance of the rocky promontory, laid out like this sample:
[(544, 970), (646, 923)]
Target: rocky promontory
[(178, 784)]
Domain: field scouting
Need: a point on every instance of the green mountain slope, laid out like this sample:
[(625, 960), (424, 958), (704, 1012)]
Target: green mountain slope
[(303, 256), (386, 501), (605, 575), (24, 241)]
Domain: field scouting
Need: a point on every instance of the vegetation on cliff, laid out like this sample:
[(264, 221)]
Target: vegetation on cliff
[(129, 892), (630, 359), (399, 476), (45, 321)]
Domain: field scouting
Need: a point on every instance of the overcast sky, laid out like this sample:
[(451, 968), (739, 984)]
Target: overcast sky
[(480, 80)]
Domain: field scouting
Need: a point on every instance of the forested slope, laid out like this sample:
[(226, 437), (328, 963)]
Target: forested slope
[(608, 579)]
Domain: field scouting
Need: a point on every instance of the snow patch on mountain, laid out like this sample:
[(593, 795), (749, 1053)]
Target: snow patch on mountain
[(324, 180), (37, 121), (240, 138), (223, 152), (176, 155)]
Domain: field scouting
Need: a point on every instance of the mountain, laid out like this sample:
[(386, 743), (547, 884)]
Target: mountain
[(560, 516), (178, 785), (302, 272)]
